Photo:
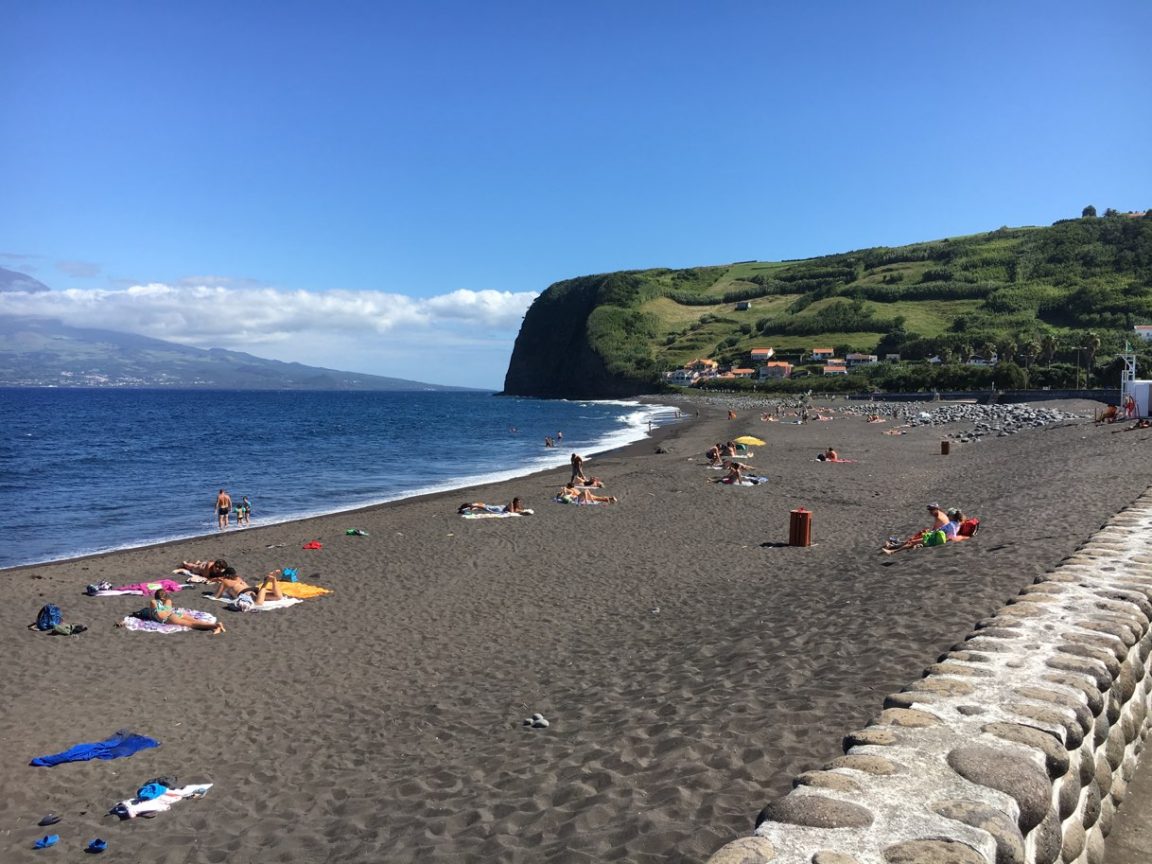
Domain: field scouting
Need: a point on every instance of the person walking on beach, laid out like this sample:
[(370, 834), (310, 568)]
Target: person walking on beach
[(223, 508), (578, 469)]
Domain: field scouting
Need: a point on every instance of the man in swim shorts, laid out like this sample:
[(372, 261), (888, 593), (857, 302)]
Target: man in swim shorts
[(223, 508)]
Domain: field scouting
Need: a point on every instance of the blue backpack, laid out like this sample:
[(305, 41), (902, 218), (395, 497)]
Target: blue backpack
[(49, 617)]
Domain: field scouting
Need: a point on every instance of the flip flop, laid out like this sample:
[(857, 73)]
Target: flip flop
[(50, 819), (45, 842), (96, 846)]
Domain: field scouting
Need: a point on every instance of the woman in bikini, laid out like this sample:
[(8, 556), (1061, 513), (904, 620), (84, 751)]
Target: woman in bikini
[(162, 610), (232, 586)]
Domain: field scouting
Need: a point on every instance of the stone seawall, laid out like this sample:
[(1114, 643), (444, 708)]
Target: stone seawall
[(1016, 747)]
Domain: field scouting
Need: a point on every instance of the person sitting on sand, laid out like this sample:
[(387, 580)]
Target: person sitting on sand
[(733, 472), (233, 586), (514, 507), (1110, 415), (571, 495), (714, 454), (939, 522), (831, 455), (162, 610), (875, 418)]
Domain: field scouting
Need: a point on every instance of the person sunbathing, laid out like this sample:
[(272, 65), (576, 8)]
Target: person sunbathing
[(207, 569), (940, 521), (713, 454), (233, 586), (571, 495), (733, 472), (162, 610)]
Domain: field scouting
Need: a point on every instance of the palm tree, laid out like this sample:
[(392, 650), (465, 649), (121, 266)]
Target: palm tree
[(1048, 348), (1030, 348), (1006, 348)]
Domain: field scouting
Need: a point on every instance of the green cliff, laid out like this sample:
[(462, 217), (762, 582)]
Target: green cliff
[(1021, 293)]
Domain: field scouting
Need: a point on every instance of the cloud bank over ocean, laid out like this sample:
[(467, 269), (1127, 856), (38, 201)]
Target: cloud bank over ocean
[(462, 337)]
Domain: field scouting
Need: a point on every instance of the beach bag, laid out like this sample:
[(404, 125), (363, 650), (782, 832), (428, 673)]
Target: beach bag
[(49, 616), (968, 528), (935, 538)]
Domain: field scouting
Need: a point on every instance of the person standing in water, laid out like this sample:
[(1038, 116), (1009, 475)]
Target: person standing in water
[(223, 508)]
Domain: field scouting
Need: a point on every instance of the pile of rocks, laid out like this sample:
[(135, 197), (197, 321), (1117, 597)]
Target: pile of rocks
[(982, 420)]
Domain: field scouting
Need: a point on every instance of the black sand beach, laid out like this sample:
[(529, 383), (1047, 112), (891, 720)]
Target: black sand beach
[(689, 663)]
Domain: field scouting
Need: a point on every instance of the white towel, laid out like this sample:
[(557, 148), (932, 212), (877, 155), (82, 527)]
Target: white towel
[(133, 807), (268, 605)]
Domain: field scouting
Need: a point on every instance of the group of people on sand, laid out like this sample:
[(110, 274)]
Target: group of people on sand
[(948, 526), (224, 509), (718, 453), (578, 490), (229, 585)]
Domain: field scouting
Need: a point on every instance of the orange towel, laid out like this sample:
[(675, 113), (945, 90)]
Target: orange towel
[(303, 590)]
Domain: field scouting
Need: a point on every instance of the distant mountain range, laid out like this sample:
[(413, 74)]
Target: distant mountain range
[(42, 352)]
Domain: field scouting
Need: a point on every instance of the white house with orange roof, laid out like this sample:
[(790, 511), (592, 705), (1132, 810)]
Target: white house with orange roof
[(776, 369), (762, 355), (1144, 331), (822, 355)]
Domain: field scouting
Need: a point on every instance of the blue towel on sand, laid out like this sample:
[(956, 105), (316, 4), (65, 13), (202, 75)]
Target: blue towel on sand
[(120, 744)]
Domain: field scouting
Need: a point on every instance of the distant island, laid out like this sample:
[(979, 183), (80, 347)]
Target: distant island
[(40, 352)]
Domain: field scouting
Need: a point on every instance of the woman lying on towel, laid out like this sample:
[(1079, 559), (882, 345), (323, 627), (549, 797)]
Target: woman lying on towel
[(207, 569), (161, 610), (571, 495), (234, 586), (466, 509)]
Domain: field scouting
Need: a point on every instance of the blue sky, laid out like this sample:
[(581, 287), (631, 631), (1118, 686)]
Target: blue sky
[(383, 187)]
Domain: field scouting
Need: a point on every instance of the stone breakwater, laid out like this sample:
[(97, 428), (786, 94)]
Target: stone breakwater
[(1016, 747)]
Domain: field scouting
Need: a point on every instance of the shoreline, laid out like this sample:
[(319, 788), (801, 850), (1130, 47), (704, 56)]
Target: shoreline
[(495, 477), (653, 435)]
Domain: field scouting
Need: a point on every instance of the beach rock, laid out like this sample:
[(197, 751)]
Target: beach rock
[(816, 811), (932, 852), (827, 856), (1055, 756), (746, 850), (1012, 775), (826, 780), (1009, 839)]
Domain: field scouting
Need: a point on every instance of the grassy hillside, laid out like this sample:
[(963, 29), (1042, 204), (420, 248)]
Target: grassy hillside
[(1039, 298)]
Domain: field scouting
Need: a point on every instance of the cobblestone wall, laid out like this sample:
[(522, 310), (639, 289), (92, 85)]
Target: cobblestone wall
[(1015, 748)]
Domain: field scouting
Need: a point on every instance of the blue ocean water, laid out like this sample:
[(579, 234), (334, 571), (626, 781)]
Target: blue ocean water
[(87, 471)]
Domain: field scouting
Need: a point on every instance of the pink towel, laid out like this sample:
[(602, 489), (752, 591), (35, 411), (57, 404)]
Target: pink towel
[(147, 588)]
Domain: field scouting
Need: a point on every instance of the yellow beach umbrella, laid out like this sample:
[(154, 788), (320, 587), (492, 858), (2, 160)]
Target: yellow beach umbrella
[(749, 440)]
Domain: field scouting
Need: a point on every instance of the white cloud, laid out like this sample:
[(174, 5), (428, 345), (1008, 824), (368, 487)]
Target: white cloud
[(462, 337)]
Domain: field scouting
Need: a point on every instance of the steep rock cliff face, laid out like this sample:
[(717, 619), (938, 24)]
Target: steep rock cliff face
[(554, 356)]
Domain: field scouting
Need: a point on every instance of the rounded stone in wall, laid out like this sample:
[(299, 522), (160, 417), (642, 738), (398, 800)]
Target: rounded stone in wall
[(1119, 789), (1091, 805), (1013, 775), (1068, 796), (1103, 776), (1095, 697), (960, 670), (1113, 707), (907, 717), (1072, 734), (1047, 840), (1073, 843), (1056, 758), (868, 764), (1115, 748), (869, 737), (827, 856), (1122, 631), (1092, 668), (1093, 652), (944, 686), (1063, 699), (1129, 726), (1114, 646), (816, 811), (1107, 816), (827, 780), (1095, 846), (1126, 681), (1008, 837), (932, 852), (1101, 730), (746, 850)]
